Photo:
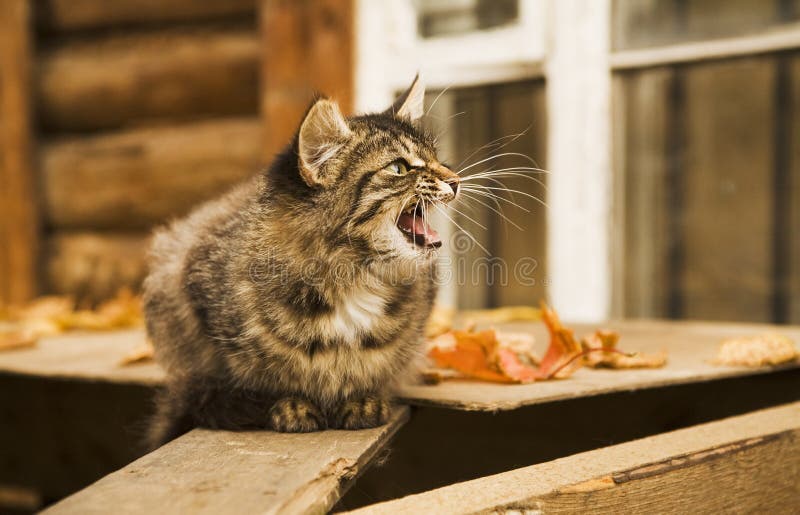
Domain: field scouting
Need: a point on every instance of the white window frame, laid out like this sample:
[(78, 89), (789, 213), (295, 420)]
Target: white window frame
[(568, 43), (389, 52)]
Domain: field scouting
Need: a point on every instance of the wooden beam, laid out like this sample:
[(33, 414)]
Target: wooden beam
[(134, 78), (134, 179), (19, 231), (238, 472), (93, 266), (307, 48), (71, 15), (742, 464)]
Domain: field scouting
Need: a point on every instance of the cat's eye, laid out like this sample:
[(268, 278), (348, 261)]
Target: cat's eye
[(397, 168)]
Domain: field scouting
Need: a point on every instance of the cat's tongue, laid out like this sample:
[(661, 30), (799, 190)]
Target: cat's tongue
[(422, 234)]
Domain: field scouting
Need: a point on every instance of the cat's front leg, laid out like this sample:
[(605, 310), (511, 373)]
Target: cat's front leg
[(370, 411), (296, 415)]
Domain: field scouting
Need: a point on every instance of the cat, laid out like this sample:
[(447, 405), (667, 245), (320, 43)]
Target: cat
[(296, 301)]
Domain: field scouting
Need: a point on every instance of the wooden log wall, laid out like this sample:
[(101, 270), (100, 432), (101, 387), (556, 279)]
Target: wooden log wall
[(146, 108), (19, 228)]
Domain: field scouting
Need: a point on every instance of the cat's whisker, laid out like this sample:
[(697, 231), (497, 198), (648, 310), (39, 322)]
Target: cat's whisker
[(468, 217), (521, 169), (473, 189), (503, 216), (495, 143), (495, 156), (512, 191), (469, 234), (436, 100), (495, 177)]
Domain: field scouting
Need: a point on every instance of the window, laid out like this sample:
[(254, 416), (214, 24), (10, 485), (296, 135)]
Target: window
[(708, 159)]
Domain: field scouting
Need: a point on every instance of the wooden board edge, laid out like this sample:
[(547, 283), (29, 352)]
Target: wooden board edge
[(317, 495), (492, 407), (320, 495), (744, 458)]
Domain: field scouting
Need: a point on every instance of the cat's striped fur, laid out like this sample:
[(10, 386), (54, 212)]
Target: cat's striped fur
[(294, 301)]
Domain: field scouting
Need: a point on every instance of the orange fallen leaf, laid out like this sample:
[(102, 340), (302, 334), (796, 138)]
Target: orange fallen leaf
[(608, 356), (560, 360), (509, 358), (471, 353)]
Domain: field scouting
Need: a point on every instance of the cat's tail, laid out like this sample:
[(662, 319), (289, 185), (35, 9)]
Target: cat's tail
[(172, 416)]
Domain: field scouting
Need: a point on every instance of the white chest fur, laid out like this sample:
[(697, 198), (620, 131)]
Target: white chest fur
[(356, 313)]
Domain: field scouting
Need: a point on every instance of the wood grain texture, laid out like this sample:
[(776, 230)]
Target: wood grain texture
[(646, 257), (134, 78), (728, 181), (238, 472), (72, 15), (137, 178), (473, 292), (19, 230), (93, 266), (690, 347), (307, 48), (748, 463), (794, 195), (520, 108)]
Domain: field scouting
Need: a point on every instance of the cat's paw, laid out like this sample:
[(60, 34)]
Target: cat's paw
[(362, 413), (294, 415)]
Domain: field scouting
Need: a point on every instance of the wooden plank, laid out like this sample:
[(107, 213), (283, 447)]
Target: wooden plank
[(472, 132), (794, 195), (646, 190), (521, 108), (134, 179), (135, 78), (690, 347), (19, 230), (94, 266), (307, 47), (238, 472), (747, 463), (728, 191), (72, 15)]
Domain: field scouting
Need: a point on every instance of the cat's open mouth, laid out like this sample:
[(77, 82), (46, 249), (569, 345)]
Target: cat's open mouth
[(413, 226)]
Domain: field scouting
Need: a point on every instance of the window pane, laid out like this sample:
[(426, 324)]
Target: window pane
[(446, 17), (646, 23), (513, 117), (712, 189)]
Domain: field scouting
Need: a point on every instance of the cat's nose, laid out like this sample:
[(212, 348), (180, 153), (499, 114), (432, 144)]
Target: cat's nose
[(453, 183)]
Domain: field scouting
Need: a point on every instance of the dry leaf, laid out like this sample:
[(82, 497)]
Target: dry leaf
[(561, 359), (124, 310), (509, 357), (600, 351), (757, 351), (471, 353), (144, 353)]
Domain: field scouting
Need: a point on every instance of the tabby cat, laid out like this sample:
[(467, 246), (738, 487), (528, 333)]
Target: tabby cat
[(295, 301)]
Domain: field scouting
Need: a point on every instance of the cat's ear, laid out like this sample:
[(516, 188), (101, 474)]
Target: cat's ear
[(410, 105), (323, 133)]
